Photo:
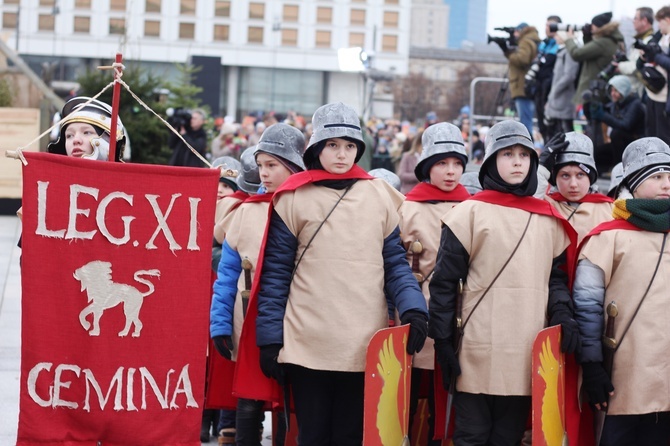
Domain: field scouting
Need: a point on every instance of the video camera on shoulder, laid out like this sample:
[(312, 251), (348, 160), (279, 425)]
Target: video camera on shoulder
[(179, 117), (505, 43), (553, 27)]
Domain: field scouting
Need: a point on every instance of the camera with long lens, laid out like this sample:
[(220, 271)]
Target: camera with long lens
[(609, 71), (505, 43), (596, 93), (650, 49), (530, 78), (179, 117), (553, 27)]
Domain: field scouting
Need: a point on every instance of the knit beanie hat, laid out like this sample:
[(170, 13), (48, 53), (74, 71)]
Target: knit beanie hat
[(601, 19)]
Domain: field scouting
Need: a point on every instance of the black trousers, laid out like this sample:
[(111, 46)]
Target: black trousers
[(651, 429), (249, 422), (417, 376), (656, 121), (328, 406), (490, 419)]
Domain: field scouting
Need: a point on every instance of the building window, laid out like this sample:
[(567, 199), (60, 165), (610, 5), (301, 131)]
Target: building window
[(82, 25), (46, 22), (389, 43), (222, 8), (117, 26), (187, 7), (357, 17), (323, 39), (152, 28), (256, 10), (9, 20), (186, 30), (221, 33), (357, 39), (255, 34), (82, 4), (390, 19), (152, 6), (47, 2), (289, 37), (324, 15), (291, 13), (117, 5)]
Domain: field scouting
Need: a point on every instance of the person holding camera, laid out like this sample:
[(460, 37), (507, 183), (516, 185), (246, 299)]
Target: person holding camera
[(520, 60), (624, 114), (193, 133), (559, 111), (541, 73), (643, 22)]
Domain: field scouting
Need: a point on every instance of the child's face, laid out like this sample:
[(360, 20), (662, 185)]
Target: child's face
[(272, 172), (655, 187), (338, 155), (223, 190), (572, 182), (513, 164), (446, 173), (78, 139)]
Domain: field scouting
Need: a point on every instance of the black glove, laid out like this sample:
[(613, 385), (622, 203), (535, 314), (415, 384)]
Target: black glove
[(596, 383), (269, 364), (570, 342), (418, 330), (587, 33), (223, 345), (552, 148), (448, 361)]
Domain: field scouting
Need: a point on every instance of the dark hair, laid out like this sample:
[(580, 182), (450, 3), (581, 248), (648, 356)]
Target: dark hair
[(647, 14), (663, 13), (554, 18)]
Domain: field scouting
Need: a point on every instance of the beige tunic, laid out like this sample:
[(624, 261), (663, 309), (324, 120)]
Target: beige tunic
[(641, 371), (245, 229), (422, 222), (586, 216), (336, 301), (495, 357), (223, 208)]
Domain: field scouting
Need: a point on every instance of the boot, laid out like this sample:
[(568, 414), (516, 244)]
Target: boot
[(204, 426), (227, 436)]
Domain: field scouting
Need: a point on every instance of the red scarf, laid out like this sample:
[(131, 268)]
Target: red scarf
[(428, 192), (259, 198), (249, 381), (588, 198)]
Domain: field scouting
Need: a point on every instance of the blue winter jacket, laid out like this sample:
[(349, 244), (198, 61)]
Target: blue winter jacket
[(225, 291), (278, 264)]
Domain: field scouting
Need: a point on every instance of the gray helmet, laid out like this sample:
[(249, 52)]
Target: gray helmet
[(502, 135), (580, 152), (99, 115), (230, 169), (471, 182), (249, 180), (335, 120), (388, 176), (283, 141), (643, 153), (439, 140), (615, 180)]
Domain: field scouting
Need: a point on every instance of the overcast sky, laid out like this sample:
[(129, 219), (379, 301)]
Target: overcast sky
[(535, 12)]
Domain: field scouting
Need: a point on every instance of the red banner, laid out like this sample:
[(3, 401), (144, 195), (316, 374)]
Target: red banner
[(115, 307)]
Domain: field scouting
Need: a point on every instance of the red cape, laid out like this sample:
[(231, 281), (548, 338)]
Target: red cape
[(249, 381), (588, 198), (428, 192), (259, 198)]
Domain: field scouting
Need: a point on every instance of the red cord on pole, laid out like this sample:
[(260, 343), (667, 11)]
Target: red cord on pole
[(116, 96)]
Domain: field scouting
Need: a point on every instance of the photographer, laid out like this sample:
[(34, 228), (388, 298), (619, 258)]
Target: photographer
[(520, 60), (560, 111), (540, 75), (643, 22), (193, 132), (658, 123), (625, 116), (602, 39)]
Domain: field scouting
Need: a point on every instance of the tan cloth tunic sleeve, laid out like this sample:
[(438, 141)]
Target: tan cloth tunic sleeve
[(496, 351), (336, 301), (641, 371), (223, 208)]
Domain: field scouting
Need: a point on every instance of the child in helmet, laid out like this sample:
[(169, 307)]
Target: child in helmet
[(625, 262), (85, 130), (507, 249), (278, 157), (438, 171), (568, 163), (333, 248)]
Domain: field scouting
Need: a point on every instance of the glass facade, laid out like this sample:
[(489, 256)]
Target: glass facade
[(467, 21)]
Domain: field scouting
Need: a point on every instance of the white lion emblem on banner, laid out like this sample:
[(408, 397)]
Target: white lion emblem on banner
[(103, 293)]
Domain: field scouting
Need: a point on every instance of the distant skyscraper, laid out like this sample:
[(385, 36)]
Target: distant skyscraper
[(467, 21)]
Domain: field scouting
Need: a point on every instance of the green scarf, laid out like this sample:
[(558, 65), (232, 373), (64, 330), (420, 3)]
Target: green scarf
[(650, 215)]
